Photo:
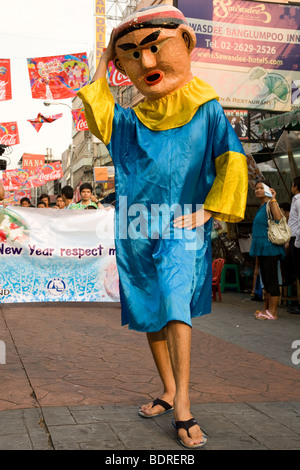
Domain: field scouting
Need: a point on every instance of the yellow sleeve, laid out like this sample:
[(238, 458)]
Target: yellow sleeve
[(99, 106), (228, 195)]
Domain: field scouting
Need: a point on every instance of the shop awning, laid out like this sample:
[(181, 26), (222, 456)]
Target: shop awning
[(263, 155), (288, 121)]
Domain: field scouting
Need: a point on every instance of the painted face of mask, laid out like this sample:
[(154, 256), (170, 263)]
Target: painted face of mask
[(156, 58)]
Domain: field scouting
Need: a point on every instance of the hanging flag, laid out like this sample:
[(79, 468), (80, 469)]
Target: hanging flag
[(40, 120), (31, 178), (13, 198), (116, 78), (9, 133), (15, 179), (58, 77), (48, 172), (79, 120), (5, 80)]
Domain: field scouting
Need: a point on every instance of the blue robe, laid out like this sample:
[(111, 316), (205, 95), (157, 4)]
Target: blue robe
[(166, 272)]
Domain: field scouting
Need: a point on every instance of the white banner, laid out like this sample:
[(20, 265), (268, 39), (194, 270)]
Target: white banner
[(50, 255)]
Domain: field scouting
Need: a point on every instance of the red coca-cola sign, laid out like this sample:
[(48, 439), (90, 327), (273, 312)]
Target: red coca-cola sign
[(116, 78), (79, 120), (48, 172), (31, 178), (9, 133), (82, 125)]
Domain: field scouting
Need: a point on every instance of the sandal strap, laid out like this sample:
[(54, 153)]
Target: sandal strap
[(185, 424), (270, 315), (162, 403)]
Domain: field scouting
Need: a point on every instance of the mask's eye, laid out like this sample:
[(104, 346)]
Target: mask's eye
[(154, 49), (136, 54)]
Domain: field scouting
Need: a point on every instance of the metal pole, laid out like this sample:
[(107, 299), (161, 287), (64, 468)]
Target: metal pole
[(271, 154)]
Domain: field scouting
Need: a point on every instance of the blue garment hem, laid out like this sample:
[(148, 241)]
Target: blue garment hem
[(140, 330)]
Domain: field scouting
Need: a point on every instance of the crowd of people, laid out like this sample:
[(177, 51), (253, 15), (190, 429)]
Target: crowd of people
[(64, 200)]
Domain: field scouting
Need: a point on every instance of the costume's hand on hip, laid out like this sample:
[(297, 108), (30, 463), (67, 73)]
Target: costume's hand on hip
[(190, 221)]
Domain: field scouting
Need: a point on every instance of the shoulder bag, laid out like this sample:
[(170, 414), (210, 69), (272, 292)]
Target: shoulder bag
[(279, 232)]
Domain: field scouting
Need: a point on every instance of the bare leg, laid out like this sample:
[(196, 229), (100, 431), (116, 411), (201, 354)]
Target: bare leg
[(159, 348), (273, 304), (179, 344)]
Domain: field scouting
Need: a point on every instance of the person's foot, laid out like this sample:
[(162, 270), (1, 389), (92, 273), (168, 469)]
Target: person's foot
[(259, 312), (189, 433), (157, 407), (267, 315)]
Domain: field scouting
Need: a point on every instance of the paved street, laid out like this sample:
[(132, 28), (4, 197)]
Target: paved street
[(74, 379)]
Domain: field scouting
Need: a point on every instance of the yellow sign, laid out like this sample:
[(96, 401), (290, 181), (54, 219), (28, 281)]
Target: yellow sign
[(100, 29)]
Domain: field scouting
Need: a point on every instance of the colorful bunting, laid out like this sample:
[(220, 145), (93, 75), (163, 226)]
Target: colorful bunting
[(19, 178), (40, 120), (52, 77)]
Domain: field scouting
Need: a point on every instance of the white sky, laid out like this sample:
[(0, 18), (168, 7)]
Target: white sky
[(38, 28)]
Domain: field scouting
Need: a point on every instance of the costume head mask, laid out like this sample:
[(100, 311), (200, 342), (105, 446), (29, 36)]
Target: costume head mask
[(153, 48)]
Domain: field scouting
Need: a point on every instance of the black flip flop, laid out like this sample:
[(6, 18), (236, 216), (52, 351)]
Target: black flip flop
[(187, 425), (167, 408)]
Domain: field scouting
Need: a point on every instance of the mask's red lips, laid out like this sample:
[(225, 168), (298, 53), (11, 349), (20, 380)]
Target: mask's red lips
[(153, 78)]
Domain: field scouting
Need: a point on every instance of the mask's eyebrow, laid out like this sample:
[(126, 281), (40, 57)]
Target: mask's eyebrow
[(127, 46), (152, 37)]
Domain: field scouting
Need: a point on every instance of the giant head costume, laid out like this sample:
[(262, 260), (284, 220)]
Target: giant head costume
[(153, 47)]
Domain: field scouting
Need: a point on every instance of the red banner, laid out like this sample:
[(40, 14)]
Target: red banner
[(13, 198), (79, 120), (58, 77), (9, 133), (26, 178), (5, 80), (31, 160)]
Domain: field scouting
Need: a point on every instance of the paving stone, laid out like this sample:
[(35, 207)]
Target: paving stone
[(77, 383)]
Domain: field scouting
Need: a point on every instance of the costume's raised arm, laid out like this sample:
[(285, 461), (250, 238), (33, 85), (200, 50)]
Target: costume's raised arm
[(99, 108), (98, 101), (228, 195)]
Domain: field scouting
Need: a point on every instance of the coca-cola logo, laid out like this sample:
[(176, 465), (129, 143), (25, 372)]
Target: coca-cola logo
[(81, 125), (9, 139), (118, 79), (3, 90), (54, 175)]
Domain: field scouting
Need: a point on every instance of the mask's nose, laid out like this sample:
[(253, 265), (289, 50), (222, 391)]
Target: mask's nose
[(148, 59)]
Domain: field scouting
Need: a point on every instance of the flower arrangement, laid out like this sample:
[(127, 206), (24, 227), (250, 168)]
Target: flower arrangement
[(12, 230)]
